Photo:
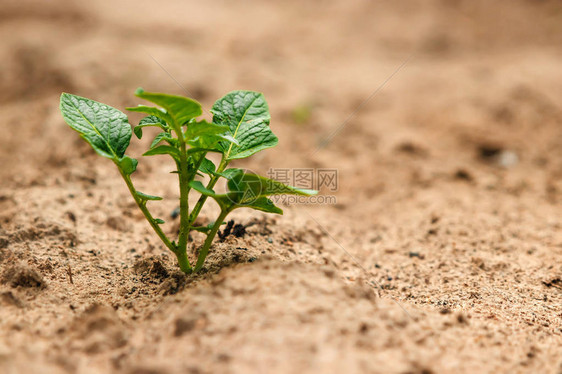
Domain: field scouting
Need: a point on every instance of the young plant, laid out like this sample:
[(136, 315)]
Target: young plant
[(240, 128)]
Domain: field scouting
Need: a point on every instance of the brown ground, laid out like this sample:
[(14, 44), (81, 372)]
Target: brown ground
[(450, 184)]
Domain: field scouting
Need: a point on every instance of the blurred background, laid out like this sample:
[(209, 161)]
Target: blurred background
[(363, 82)]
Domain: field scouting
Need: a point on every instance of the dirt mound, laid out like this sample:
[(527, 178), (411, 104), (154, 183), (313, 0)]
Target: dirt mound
[(96, 330), (22, 275)]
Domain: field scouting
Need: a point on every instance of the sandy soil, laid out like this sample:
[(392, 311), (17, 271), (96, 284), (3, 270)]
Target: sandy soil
[(443, 253)]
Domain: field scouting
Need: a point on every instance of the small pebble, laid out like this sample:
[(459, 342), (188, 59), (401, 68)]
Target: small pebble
[(507, 159), (175, 213)]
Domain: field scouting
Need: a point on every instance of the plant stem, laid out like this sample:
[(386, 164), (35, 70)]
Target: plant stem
[(155, 226), (184, 201), (214, 179), (209, 240), (183, 262)]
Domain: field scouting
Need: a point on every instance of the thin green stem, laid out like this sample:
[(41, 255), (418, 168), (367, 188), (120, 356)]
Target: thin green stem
[(214, 179), (207, 245), (183, 262), (182, 257), (184, 200), (197, 165)]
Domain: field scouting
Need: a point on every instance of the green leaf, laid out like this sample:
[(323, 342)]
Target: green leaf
[(163, 150), (146, 197), (247, 187), (203, 229), (149, 121), (138, 131), (247, 115), (163, 136), (229, 173), (229, 138), (209, 142), (105, 128), (224, 201), (159, 221), (201, 128), (157, 112), (153, 121), (207, 167), (194, 150), (181, 109), (198, 186), (264, 204), (128, 165), (157, 139), (205, 135)]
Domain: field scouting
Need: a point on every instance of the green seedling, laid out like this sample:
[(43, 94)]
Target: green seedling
[(240, 128)]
